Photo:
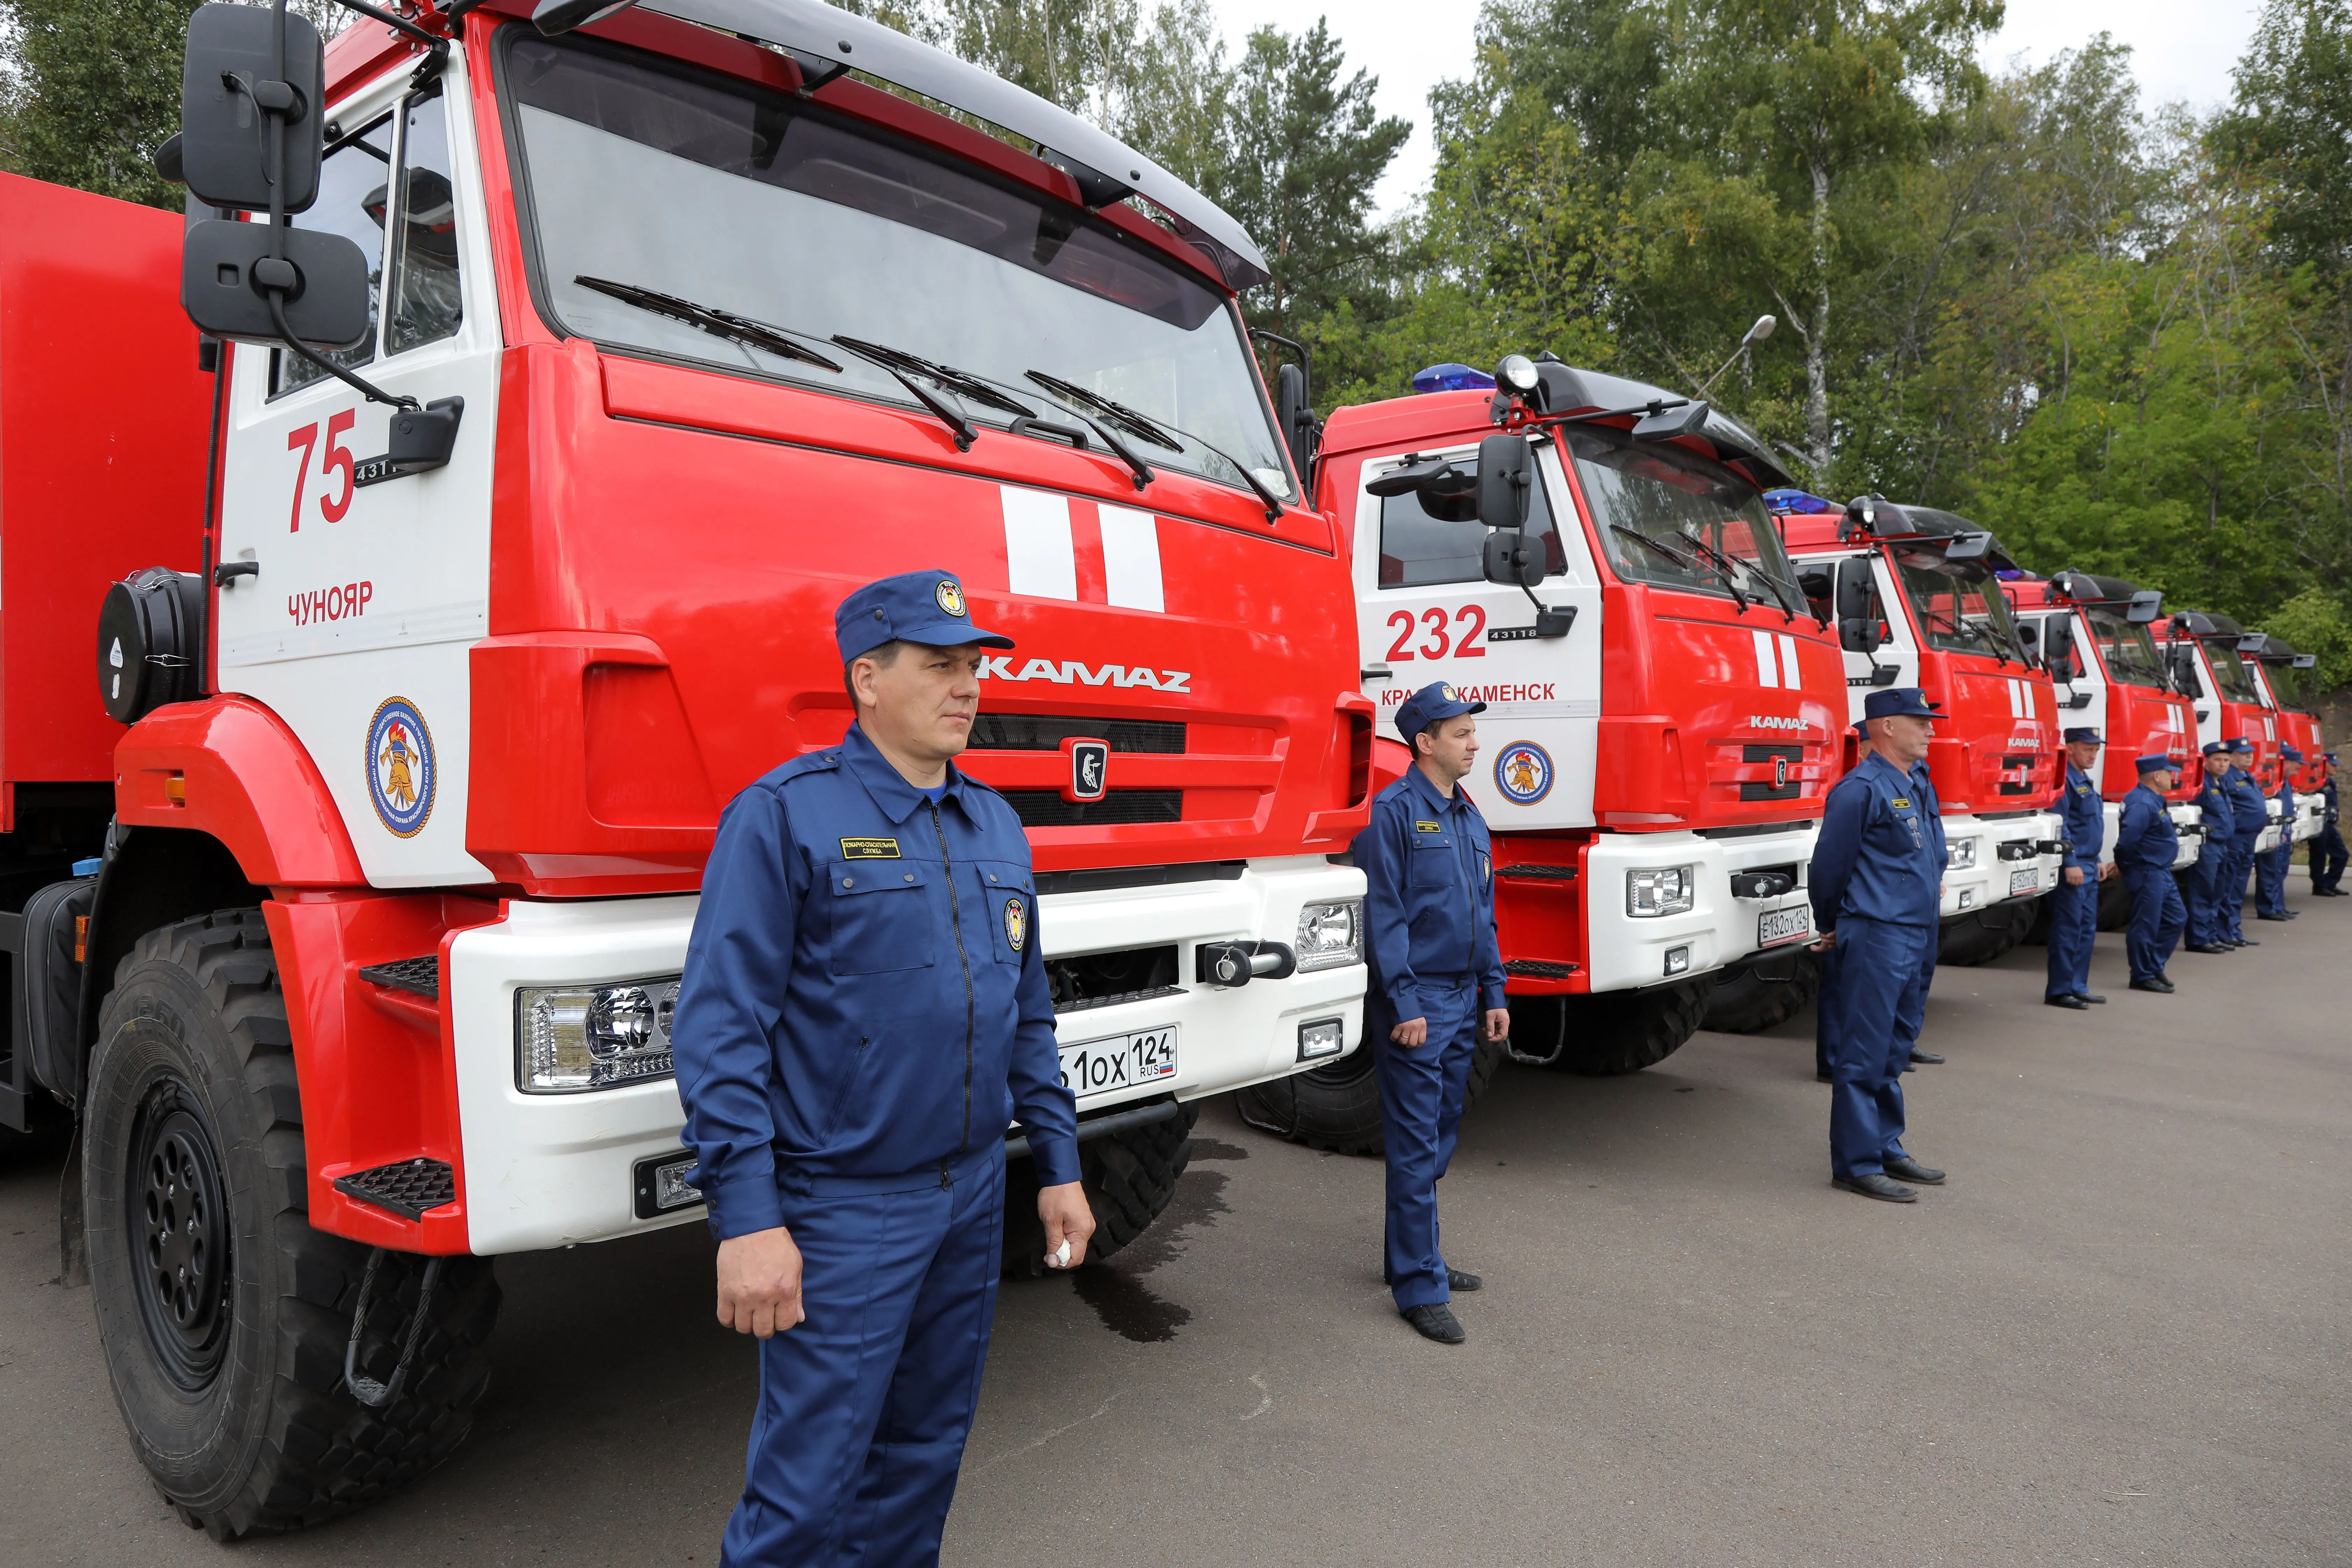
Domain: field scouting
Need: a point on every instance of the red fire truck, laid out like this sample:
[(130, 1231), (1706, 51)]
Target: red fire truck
[(1916, 595), (2201, 650), (2092, 634), (2278, 670), (625, 352), (1591, 558)]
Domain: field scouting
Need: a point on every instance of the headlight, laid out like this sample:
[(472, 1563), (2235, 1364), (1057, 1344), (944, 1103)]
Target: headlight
[(1661, 890), (1963, 854), (1330, 935), (573, 1038)]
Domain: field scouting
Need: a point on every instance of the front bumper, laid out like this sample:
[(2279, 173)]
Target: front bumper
[(545, 1170), (2310, 815), (1721, 928), (1994, 880), (2185, 817)]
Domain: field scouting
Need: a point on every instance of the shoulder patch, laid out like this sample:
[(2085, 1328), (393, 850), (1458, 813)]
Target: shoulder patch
[(869, 849)]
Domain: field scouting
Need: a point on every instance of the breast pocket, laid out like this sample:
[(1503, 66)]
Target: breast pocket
[(882, 915), (1431, 863), (1011, 907)]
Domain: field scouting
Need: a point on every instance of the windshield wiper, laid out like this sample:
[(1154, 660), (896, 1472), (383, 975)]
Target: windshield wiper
[(1966, 629), (750, 333), (1730, 574), (1139, 425), (1638, 537), (945, 412), (1758, 573), (963, 383)]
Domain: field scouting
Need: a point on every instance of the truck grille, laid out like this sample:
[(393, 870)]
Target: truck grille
[(1790, 791), (1766, 753), (1046, 808), (1046, 731)]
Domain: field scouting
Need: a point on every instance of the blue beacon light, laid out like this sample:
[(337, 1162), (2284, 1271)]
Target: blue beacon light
[(1451, 378)]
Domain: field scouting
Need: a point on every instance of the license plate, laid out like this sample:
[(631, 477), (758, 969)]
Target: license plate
[(1774, 927), (1121, 1061), (2024, 881)]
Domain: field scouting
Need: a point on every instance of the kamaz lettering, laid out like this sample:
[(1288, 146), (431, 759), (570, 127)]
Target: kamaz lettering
[(1770, 722), (998, 666)]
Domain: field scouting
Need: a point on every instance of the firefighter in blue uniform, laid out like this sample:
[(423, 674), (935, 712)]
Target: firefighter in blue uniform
[(2249, 814), (2146, 846), (2202, 880), (1877, 882), (1436, 983), (2269, 869), (863, 1010), (2074, 901), (2327, 852)]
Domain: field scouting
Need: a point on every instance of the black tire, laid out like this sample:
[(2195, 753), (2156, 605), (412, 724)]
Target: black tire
[(229, 1370), (1620, 1032), (2114, 903), (1129, 1177), (1981, 937), (1771, 990), (1337, 1106)]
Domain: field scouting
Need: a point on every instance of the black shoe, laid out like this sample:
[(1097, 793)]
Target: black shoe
[(1459, 1282), (1909, 1170), (2160, 985), (1908, 1068), (1823, 1078), (1929, 1057), (2273, 917), (1875, 1185), (2206, 947), (1434, 1320), (2092, 997), (2245, 942), (2076, 1003)]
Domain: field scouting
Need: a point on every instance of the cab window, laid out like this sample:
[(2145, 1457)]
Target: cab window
[(2128, 651), (1419, 547), (351, 178), (425, 307)]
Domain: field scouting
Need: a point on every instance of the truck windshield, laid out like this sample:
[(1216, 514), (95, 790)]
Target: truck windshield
[(2128, 651), (1653, 505), (2286, 686), (1959, 603), (673, 181), (2236, 685)]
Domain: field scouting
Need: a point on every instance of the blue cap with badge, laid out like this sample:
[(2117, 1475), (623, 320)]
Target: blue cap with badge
[(1431, 702), (2154, 761), (1901, 701), (2083, 738), (2290, 754), (2241, 745), (924, 607), (2214, 748)]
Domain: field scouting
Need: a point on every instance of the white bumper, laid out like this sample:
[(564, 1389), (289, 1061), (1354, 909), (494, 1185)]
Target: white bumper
[(2310, 815), (2191, 844), (1721, 928), (2275, 810), (1993, 880), (547, 1170)]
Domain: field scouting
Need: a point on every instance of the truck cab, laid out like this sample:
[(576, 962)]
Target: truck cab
[(2279, 669), (1916, 593), (2200, 648)]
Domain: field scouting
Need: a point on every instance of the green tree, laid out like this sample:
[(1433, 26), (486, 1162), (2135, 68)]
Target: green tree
[(2293, 120)]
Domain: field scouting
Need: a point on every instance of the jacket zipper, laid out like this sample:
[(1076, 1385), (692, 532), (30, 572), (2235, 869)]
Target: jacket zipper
[(955, 913)]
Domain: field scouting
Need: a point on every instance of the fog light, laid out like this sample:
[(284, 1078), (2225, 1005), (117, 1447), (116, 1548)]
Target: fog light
[(1323, 1037), (1330, 936), (569, 1039), (1963, 855), (1677, 960), (661, 1185), (1968, 898), (1661, 890)]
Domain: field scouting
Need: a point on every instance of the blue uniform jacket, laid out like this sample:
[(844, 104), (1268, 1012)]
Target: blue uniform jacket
[(2087, 820), (1430, 908), (2145, 834), (1880, 855), (2213, 803), (2327, 794), (864, 995), (2249, 814), (2286, 809)]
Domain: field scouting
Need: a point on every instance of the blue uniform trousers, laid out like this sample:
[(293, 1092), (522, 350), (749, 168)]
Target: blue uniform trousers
[(2229, 902), (2158, 916), (2328, 858), (2270, 876), (2073, 925), (1422, 1090), (1880, 997), (864, 1406), (2202, 881)]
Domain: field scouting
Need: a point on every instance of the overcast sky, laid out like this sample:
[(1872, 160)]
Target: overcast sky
[(2182, 49)]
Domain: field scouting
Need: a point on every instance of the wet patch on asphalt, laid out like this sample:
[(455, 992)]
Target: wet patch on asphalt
[(1116, 1290), (1217, 1149)]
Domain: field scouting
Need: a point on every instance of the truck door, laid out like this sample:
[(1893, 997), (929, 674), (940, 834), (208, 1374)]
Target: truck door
[(1425, 612), (1896, 660), (2074, 673), (370, 588)]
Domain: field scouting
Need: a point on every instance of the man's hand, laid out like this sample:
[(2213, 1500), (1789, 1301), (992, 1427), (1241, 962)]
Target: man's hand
[(1067, 1218), (1411, 1032), (1828, 941), (1498, 1023), (2074, 875), (760, 1282), (2109, 869)]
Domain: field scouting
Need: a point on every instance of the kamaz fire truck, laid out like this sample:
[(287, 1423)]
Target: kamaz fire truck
[(1591, 558), (2278, 669), (565, 378), (2201, 651), (2092, 634), (1916, 596)]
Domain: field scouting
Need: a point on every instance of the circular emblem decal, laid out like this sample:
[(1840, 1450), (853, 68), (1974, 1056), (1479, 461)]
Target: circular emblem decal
[(1451, 695), (1523, 772), (1016, 923), (400, 767), (949, 597)]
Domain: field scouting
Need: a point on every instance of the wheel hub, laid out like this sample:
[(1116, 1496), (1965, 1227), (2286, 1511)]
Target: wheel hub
[(180, 1235)]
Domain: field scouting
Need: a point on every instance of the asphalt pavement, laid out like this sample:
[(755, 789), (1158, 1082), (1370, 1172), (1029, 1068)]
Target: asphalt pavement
[(2118, 1335)]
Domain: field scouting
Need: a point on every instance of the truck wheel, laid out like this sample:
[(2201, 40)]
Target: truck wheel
[(1337, 1106), (1759, 994), (1625, 1031), (1981, 937), (1128, 1176), (222, 1315), (2115, 904)]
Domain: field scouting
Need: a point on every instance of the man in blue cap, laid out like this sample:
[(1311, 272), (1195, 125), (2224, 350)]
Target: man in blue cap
[(2146, 846), (2201, 882), (2074, 901), (2327, 852), (1877, 882), (1436, 983), (2249, 814), (2269, 869), (863, 1010)]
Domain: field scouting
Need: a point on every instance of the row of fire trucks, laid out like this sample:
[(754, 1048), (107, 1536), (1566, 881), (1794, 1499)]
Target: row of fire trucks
[(465, 487)]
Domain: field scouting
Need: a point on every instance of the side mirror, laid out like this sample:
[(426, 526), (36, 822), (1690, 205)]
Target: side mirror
[(2305, 660), (1298, 419), (1690, 419), (1968, 547), (1854, 592), (232, 84), (2147, 605), (227, 273), (2058, 645), (1513, 560), (1860, 634), (1505, 473)]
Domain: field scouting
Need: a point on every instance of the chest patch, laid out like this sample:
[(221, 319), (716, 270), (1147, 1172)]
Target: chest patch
[(1427, 827), (1901, 803), (869, 849), (1016, 924)]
